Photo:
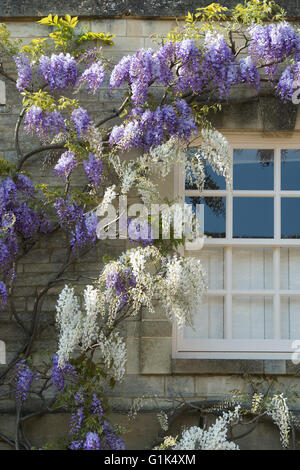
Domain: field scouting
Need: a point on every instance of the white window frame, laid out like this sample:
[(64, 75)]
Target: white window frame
[(229, 348)]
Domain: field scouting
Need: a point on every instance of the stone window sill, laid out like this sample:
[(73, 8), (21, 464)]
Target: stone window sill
[(233, 367)]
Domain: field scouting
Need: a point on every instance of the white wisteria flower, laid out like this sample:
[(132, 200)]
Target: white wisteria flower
[(214, 438), (113, 350), (280, 414), (214, 150)]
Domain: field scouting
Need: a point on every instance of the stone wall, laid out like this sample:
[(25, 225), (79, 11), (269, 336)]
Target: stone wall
[(151, 372)]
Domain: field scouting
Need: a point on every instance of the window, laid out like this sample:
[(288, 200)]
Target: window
[(251, 255)]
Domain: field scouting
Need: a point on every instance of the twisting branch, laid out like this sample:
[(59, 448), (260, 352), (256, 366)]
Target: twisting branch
[(17, 129), (114, 115), (60, 146)]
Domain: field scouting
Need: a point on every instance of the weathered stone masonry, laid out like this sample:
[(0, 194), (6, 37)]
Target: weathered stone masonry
[(151, 372)]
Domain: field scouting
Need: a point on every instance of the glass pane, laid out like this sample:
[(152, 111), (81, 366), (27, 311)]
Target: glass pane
[(253, 169), (212, 260), (212, 179), (290, 217), (214, 214), (252, 317), (209, 321), (290, 317), (252, 268), (290, 268), (253, 217), (290, 170)]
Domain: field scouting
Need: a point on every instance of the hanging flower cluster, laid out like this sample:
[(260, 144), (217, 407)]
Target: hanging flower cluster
[(17, 219), (45, 124), (151, 128), (24, 72), (93, 77), (24, 378), (81, 328), (59, 71), (59, 375), (81, 121), (82, 227), (93, 167), (213, 438), (289, 82), (65, 165), (272, 43)]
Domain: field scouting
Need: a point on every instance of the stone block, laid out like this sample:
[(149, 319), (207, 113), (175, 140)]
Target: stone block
[(137, 386), (157, 328), (180, 386), (133, 356), (217, 366), (111, 26), (156, 355)]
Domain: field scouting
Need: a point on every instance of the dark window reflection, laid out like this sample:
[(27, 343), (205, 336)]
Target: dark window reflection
[(290, 170), (212, 179), (214, 214), (253, 169), (290, 217), (253, 217)]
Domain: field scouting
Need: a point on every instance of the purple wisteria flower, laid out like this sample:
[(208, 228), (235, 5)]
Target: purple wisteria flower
[(249, 73), (29, 223), (93, 168), (24, 72), (151, 128), (120, 72), (91, 56), (139, 233), (96, 406), (92, 441), (8, 194), (82, 227), (76, 445), (142, 72), (122, 283), (25, 185), (59, 375), (113, 441), (219, 66), (24, 378), (76, 421), (189, 68), (81, 121), (59, 71), (17, 218), (272, 43), (65, 165), (93, 77), (289, 82), (44, 123)]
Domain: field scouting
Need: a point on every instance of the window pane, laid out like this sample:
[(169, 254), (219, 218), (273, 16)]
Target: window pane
[(252, 268), (252, 318), (209, 321), (290, 217), (253, 217), (290, 317), (212, 179), (290, 170), (214, 214), (212, 260), (253, 169), (290, 268)]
